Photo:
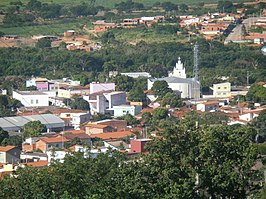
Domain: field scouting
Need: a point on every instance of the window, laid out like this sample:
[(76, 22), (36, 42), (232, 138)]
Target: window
[(49, 146), (219, 87), (37, 101), (225, 87), (31, 101), (57, 145)]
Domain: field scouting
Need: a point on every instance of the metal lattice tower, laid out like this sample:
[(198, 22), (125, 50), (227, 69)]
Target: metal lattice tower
[(196, 63)]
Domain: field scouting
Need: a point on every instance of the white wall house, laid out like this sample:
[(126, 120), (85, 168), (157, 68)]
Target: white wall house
[(31, 98), (79, 118), (102, 102), (208, 106), (177, 81), (248, 116), (126, 109), (137, 74)]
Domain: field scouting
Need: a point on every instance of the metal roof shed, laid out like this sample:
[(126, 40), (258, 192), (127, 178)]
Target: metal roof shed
[(16, 123)]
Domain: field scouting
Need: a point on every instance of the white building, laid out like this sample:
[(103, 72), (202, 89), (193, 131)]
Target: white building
[(248, 116), (179, 70), (208, 106), (104, 101), (177, 81), (31, 98), (137, 74), (126, 109), (79, 118)]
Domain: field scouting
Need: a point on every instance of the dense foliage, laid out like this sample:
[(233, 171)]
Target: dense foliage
[(189, 162), (216, 61), (8, 106), (5, 139), (33, 129)]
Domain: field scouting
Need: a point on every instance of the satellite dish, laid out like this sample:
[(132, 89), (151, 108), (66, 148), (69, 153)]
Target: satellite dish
[(263, 50)]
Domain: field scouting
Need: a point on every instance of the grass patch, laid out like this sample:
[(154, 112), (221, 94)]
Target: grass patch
[(148, 35), (55, 27)]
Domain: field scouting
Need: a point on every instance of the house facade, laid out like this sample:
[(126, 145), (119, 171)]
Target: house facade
[(221, 90), (126, 109), (9, 154), (46, 144), (31, 98), (208, 106)]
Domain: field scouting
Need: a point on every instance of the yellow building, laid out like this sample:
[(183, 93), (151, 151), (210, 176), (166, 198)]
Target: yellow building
[(64, 93), (221, 90)]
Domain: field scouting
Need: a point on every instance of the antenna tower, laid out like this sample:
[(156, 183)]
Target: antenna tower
[(196, 63)]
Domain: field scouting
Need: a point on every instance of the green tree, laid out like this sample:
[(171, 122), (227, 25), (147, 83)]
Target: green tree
[(226, 155), (160, 88), (256, 93), (15, 140), (137, 95), (159, 113), (44, 43), (131, 120), (123, 83), (33, 129), (3, 135), (79, 103), (171, 99), (259, 123)]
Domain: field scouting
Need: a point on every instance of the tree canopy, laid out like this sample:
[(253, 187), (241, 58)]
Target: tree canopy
[(33, 129), (160, 89), (190, 161)]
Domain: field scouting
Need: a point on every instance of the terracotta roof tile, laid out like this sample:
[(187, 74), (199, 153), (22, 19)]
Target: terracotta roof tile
[(41, 163), (99, 126), (113, 135), (73, 131), (54, 139), (6, 148)]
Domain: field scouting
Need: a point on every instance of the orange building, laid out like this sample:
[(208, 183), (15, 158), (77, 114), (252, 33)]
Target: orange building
[(45, 144)]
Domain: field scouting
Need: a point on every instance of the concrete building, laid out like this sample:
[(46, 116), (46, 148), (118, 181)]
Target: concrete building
[(92, 128), (222, 90), (137, 74), (208, 106), (31, 98), (103, 102), (117, 125), (177, 81), (9, 154), (126, 109), (68, 91), (79, 118), (248, 116), (46, 144)]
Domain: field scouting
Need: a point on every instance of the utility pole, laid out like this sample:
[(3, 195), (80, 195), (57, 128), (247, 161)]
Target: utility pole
[(196, 62)]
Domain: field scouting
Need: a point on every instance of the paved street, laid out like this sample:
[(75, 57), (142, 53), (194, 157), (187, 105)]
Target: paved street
[(235, 35)]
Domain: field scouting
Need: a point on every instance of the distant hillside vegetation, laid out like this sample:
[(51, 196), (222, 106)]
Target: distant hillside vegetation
[(111, 3)]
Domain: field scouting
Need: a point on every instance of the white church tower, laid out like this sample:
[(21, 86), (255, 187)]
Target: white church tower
[(179, 70)]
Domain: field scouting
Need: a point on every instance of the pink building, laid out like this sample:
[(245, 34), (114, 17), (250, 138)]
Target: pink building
[(99, 87)]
